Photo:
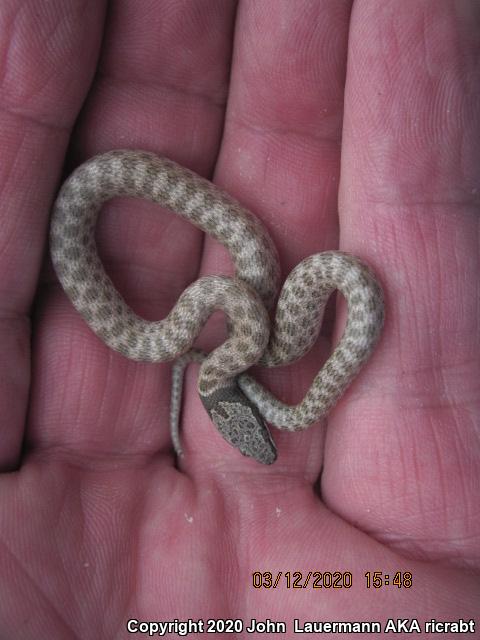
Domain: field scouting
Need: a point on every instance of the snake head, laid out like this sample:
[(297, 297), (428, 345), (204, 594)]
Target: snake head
[(241, 424)]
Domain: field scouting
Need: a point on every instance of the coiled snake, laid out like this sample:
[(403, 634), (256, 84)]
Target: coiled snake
[(237, 404)]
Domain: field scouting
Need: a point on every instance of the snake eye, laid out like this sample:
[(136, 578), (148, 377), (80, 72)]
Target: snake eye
[(241, 425)]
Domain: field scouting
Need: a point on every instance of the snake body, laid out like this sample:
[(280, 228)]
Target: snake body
[(237, 404)]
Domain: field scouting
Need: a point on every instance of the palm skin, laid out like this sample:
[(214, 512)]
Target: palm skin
[(97, 523)]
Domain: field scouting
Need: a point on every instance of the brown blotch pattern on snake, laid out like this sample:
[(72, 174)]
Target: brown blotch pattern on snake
[(237, 404)]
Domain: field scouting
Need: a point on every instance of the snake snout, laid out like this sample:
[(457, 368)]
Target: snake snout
[(241, 424)]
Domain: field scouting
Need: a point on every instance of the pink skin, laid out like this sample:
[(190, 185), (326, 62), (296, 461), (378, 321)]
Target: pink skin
[(97, 525)]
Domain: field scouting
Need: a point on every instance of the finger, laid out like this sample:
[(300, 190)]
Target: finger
[(44, 80), (280, 158), (161, 86), (403, 454)]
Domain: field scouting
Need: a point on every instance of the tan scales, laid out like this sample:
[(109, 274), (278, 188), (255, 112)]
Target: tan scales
[(237, 404)]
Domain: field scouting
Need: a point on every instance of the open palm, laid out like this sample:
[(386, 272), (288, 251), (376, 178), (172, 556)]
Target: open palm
[(300, 110)]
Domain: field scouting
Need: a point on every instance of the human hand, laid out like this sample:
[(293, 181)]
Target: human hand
[(97, 524)]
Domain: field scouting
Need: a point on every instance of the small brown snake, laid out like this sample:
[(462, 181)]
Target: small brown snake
[(236, 403)]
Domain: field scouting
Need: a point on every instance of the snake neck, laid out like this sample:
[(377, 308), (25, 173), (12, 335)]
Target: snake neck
[(240, 423)]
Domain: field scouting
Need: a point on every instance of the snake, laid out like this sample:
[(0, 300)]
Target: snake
[(260, 332)]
